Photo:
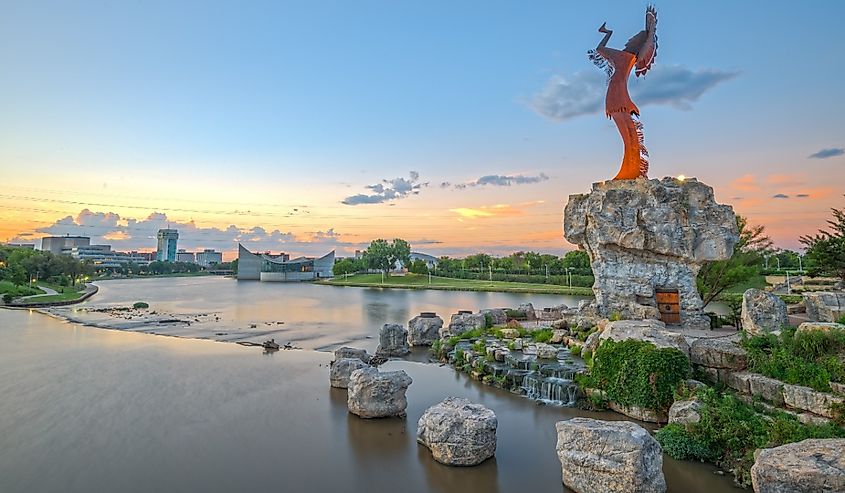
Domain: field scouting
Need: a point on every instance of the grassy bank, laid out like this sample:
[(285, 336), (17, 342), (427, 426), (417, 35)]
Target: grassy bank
[(418, 281)]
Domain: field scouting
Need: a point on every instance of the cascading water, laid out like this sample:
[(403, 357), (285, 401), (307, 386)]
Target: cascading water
[(552, 384)]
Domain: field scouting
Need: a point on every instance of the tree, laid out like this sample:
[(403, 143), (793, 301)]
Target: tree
[(401, 252), (576, 259), (717, 276), (344, 266), (826, 250), (418, 266), (383, 255)]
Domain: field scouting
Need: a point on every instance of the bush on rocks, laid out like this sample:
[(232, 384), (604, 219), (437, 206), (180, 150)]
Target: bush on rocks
[(637, 373)]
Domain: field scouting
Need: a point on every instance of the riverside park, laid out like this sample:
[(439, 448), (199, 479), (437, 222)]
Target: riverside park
[(213, 277)]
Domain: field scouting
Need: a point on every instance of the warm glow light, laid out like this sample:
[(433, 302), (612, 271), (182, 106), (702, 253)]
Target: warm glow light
[(681, 177)]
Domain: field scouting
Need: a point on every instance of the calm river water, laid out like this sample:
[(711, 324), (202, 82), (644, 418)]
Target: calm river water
[(86, 409)]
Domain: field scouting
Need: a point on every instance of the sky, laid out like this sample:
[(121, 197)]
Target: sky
[(461, 127)]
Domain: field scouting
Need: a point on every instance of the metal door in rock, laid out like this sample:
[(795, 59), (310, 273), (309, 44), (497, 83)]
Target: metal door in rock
[(669, 304)]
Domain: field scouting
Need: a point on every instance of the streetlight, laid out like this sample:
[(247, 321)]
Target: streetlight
[(800, 267), (569, 275), (547, 273), (778, 259)]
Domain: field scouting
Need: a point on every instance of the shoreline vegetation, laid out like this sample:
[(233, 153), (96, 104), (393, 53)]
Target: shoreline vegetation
[(422, 281)]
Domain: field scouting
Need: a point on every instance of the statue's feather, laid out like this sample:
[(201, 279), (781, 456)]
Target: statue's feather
[(647, 49)]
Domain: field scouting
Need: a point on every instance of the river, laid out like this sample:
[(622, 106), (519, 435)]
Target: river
[(87, 409)]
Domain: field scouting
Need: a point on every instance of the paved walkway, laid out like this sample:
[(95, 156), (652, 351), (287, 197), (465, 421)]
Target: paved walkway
[(47, 292)]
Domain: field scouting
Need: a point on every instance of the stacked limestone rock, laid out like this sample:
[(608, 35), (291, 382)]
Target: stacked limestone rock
[(762, 312), (809, 465), (424, 329), (642, 235), (346, 360)]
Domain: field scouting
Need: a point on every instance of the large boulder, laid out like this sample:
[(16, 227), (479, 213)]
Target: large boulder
[(351, 352), (341, 369), (463, 322), (816, 465), (424, 330), (685, 412), (644, 235), (375, 394), (458, 432), (762, 312), (653, 331), (392, 341), (528, 310), (718, 352), (546, 351), (609, 456), (825, 306), (497, 315)]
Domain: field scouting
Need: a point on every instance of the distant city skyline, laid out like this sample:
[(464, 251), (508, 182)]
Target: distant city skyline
[(461, 128)]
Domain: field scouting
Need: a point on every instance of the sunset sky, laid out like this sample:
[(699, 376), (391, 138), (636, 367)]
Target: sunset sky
[(459, 126)]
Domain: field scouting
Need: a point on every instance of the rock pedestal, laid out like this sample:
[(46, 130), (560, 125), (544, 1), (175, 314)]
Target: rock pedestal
[(762, 312), (648, 235), (392, 341), (653, 331), (375, 394), (458, 432), (809, 465), (424, 330), (601, 456)]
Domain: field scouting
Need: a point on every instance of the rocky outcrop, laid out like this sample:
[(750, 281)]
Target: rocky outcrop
[(825, 306), (375, 394), (762, 312), (551, 313), (810, 465), (351, 352), (528, 310), (341, 369), (643, 235), (685, 412), (462, 322), (392, 341), (601, 456), (424, 330), (458, 432), (653, 331), (807, 399), (718, 352), (823, 326), (497, 315)]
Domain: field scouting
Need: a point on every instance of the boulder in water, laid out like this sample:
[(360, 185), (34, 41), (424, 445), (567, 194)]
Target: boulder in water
[(375, 394), (458, 432), (392, 341)]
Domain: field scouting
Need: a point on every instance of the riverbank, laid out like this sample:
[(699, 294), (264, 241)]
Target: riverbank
[(419, 281), (197, 415)]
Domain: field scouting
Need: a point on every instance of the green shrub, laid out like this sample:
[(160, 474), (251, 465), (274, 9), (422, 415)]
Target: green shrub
[(682, 445), (575, 350), (7, 298), (140, 305), (479, 346), (615, 316), (543, 335), (807, 358), (488, 321), (841, 320), (730, 431), (459, 356), (437, 348), (637, 373), (516, 314)]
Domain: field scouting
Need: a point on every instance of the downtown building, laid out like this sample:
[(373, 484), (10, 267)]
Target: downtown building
[(281, 268), (166, 250)]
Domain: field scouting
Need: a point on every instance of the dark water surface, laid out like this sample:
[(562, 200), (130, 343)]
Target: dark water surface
[(87, 410)]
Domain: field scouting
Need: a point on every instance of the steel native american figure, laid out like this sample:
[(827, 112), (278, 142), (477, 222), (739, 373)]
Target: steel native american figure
[(640, 51)]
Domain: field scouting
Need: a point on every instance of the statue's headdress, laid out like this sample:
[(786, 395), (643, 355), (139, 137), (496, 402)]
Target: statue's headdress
[(644, 43)]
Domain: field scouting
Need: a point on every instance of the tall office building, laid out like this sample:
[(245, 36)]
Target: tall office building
[(208, 257), (166, 251)]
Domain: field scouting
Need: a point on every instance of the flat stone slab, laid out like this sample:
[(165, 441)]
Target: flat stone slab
[(813, 465)]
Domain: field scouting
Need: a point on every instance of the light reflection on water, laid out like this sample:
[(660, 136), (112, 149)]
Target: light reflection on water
[(314, 316)]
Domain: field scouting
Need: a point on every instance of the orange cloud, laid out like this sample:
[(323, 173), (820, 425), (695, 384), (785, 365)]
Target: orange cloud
[(498, 210), (785, 180), (746, 183)]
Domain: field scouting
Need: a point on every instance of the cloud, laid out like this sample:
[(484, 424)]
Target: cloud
[(828, 153), (565, 97), (746, 183), (803, 195), (500, 181), (388, 190), (780, 196), (489, 211), (785, 180), (125, 233)]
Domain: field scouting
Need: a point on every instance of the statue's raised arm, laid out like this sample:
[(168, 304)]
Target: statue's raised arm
[(640, 52)]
